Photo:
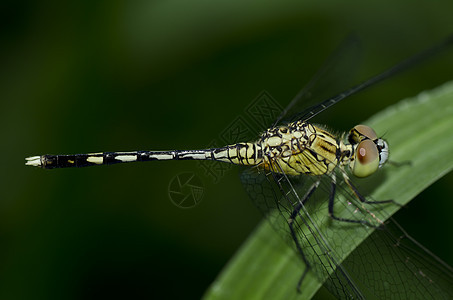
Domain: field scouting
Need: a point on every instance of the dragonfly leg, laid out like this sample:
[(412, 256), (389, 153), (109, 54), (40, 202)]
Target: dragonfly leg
[(291, 219), (331, 203), (362, 198)]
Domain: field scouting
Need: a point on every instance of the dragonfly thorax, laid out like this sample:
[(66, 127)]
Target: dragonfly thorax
[(301, 148)]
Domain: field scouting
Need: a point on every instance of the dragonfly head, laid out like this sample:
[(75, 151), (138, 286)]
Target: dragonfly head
[(370, 152)]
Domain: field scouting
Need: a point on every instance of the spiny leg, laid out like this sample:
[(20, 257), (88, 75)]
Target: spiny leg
[(291, 219), (340, 272), (361, 198), (358, 195), (297, 206), (332, 201)]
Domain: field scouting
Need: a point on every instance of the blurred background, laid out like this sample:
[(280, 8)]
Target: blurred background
[(85, 76)]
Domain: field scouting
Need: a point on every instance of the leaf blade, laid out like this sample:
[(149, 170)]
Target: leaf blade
[(410, 126)]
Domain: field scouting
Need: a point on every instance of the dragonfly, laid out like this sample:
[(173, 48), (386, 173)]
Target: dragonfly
[(293, 164)]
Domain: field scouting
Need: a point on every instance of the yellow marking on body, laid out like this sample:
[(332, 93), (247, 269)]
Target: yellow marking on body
[(233, 152), (96, 160), (309, 164), (243, 153), (196, 155), (34, 161), (287, 153), (297, 134), (286, 137), (250, 152), (163, 156), (274, 141), (296, 155), (126, 158)]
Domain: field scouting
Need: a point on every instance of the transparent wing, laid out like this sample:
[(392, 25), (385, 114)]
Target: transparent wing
[(389, 264), (280, 198), (333, 63), (314, 252), (328, 80)]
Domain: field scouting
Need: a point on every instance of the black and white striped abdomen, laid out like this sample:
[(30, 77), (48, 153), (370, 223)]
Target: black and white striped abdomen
[(239, 154)]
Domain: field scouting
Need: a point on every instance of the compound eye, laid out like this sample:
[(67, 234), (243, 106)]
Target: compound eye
[(366, 131), (366, 160), (360, 132)]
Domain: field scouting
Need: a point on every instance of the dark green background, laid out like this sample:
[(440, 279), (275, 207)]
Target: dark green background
[(108, 76)]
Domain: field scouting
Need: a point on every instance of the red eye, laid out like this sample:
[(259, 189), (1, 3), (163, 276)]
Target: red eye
[(366, 131), (367, 159), (360, 133)]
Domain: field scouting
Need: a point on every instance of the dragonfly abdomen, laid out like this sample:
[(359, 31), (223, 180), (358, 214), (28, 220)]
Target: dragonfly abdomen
[(239, 154)]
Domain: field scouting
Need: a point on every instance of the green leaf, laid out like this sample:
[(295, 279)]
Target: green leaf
[(265, 267)]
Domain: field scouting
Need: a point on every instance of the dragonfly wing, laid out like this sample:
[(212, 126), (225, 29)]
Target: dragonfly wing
[(278, 196), (382, 262), (387, 263), (391, 264), (327, 102), (328, 80)]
